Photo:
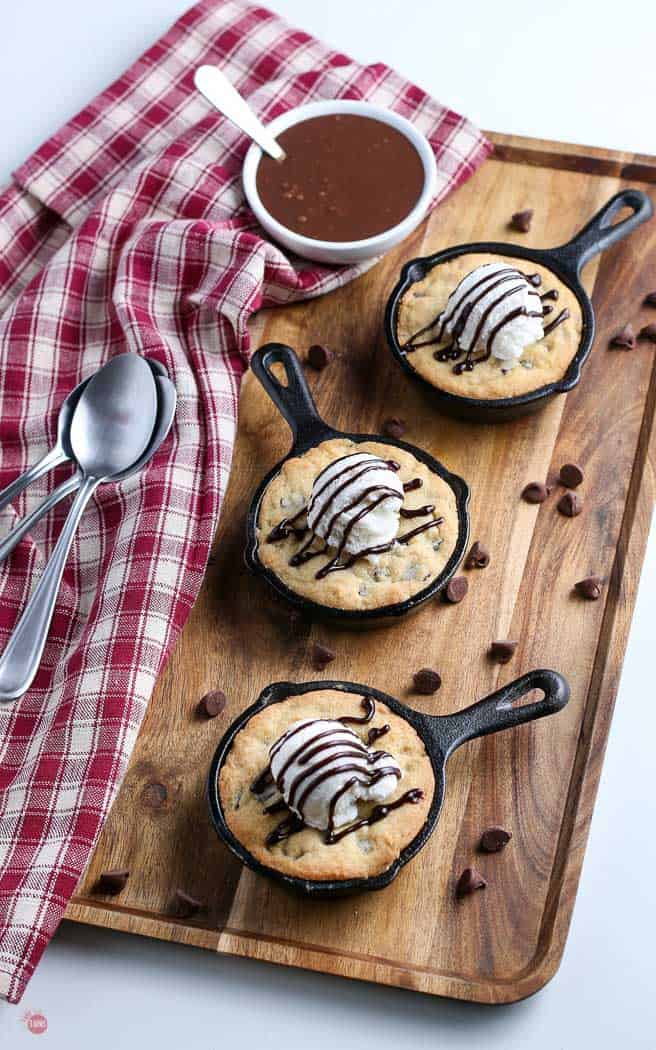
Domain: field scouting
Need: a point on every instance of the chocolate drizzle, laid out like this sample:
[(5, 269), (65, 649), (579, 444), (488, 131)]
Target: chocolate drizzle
[(321, 756), (369, 707), (379, 812), (562, 316), (376, 732), (375, 493), (458, 310)]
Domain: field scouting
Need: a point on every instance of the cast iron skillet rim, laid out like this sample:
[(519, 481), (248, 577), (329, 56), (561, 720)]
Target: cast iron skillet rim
[(417, 269), (278, 692), (457, 485)]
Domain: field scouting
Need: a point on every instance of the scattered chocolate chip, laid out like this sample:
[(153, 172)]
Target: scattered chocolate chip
[(470, 881), (521, 220), (624, 340), (570, 504), (589, 588), (570, 475), (650, 300), (456, 589), (478, 557), (394, 427), (535, 492), (494, 839), (112, 882), (426, 681), (648, 332), (502, 652), (321, 656), (186, 905), (319, 356), (212, 704)]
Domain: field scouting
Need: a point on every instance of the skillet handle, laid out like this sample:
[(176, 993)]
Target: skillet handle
[(600, 232), (294, 401), (496, 711)]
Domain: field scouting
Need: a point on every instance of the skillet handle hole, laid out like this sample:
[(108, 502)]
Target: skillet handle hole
[(533, 696)]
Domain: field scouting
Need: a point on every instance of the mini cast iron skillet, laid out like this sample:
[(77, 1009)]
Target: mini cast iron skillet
[(566, 261), (441, 736), (308, 429)]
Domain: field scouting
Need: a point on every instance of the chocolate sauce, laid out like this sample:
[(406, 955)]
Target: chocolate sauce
[(350, 472), (265, 780), (376, 732), (319, 771), (338, 566), (418, 512), (345, 177), (379, 812), (460, 310), (562, 316), (369, 705), (289, 826), (287, 526)]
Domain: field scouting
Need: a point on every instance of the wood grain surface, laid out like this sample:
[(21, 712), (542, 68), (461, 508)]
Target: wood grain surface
[(505, 942)]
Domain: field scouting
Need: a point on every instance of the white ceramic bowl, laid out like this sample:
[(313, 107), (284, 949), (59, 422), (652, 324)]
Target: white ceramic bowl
[(342, 251)]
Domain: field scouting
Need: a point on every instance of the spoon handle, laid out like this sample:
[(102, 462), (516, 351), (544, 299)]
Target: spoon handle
[(37, 470), (26, 524), (22, 655), (218, 90)]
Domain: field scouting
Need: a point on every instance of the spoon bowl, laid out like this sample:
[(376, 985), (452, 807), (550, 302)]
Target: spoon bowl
[(112, 426), (114, 420), (166, 399)]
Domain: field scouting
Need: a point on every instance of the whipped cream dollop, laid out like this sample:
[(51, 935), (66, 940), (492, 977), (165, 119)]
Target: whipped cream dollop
[(322, 769), (355, 503), (494, 309)]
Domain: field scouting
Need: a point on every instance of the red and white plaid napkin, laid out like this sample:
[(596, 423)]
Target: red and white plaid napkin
[(128, 230)]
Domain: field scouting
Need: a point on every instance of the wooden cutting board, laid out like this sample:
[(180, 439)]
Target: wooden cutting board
[(540, 781)]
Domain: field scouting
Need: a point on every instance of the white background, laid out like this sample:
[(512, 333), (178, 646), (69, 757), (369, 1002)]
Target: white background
[(567, 69)]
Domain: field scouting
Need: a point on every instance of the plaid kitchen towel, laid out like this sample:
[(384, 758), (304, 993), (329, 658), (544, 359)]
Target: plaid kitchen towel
[(128, 231)]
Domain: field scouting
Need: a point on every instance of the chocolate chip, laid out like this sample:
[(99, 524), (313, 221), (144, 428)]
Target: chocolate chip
[(494, 839), (112, 882), (502, 652), (648, 332), (394, 427), (535, 492), (319, 356), (650, 300), (456, 589), (478, 557), (521, 220), (426, 681), (570, 504), (212, 704), (570, 475), (470, 881), (321, 656), (589, 588), (624, 340), (186, 905)]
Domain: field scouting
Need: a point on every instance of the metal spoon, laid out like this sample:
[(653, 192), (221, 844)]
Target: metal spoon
[(59, 453), (111, 428), (167, 398), (218, 90)]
